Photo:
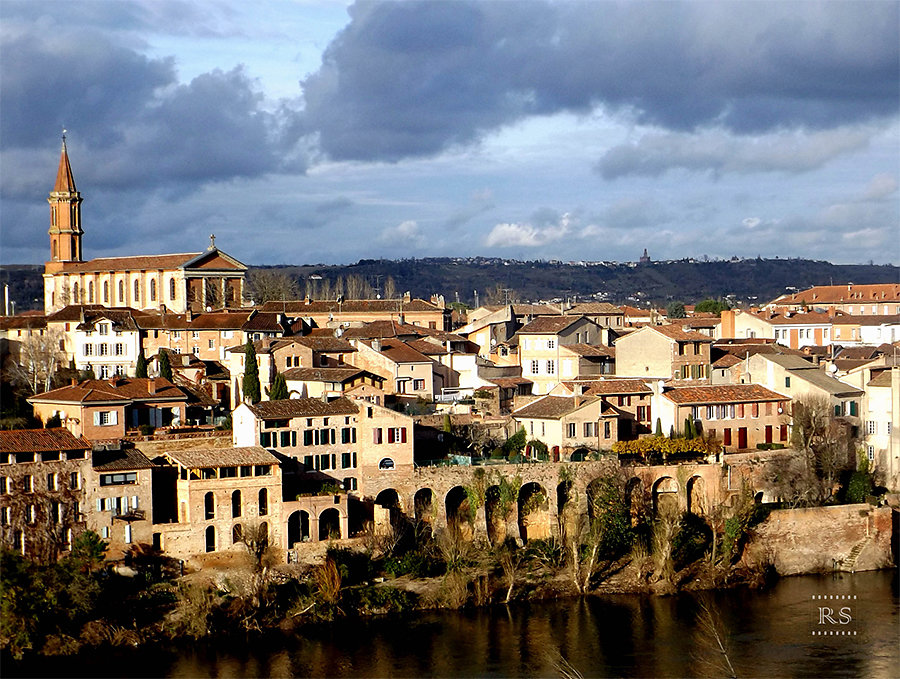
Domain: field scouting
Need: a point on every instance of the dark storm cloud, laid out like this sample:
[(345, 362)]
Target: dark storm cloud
[(411, 79), (143, 128)]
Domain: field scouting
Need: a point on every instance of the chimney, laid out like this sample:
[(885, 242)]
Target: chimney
[(407, 297), (376, 344), (151, 386)]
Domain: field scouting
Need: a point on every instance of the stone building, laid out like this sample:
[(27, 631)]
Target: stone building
[(43, 476), (664, 351), (219, 494), (177, 282)]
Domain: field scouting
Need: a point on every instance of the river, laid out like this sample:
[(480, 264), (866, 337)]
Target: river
[(809, 626)]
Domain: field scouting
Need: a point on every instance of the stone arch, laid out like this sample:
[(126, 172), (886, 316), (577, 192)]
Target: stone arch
[(566, 510), (298, 528), (330, 524), (423, 505), (580, 455), (534, 511), (696, 495), (388, 512), (493, 516), (460, 513), (665, 494), (210, 538), (635, 499)]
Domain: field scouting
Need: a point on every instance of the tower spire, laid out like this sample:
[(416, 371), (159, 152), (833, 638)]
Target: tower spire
[(65, 213)]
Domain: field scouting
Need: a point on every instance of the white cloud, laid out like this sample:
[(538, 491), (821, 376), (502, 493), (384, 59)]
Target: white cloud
[(751, 222), (527, 235), (881, 186), (407, 233)]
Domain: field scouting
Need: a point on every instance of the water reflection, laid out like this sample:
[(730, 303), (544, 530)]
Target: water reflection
[(769, 634)]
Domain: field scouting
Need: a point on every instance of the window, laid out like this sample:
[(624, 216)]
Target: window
[(105, 418), (119, 479), (870, 453), (590, 429), (606, 430), (209, 506), (152, 289), (386, 463), (103, 349), (418, 385), (4, 516), (118, 349), (263, 501), (396, 434), (106, 291), (122, 292), (30, 514), (4, 485), (535, 367), (88, 349), (172, 289), (262, 470), (551, 367), (870, 427), (787, 382), (104, 532), (212, 344), (127, 533), (551, 344), (348, 460), (137, 291), (237, 533), (103, 329), (52, 482), (350, 483), (28, 483), (235, 504), (570, 430), (210, 539), (376, 435), (754, 410), (889, 427), (348, 435), (642, 413)]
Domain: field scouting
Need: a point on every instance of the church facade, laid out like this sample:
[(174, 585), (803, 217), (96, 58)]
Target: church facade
[(190, 281)]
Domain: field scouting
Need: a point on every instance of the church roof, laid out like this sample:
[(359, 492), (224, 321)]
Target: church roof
[(65, 180)]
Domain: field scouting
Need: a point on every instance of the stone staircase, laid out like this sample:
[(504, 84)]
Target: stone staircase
[(848, 563)]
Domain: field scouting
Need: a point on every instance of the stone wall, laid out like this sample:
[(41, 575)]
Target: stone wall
[(823, 539)]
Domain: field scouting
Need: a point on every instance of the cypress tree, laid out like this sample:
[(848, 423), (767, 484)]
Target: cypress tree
[(279, 390), (658, 433), (140, 370), (672, 432), (165, 368), (251, 375), (688, 429)]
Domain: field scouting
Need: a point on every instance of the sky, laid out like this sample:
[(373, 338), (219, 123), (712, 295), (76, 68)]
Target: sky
[(314, 131)]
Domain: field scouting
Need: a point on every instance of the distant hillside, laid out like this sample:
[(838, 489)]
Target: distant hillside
[(745, 281)]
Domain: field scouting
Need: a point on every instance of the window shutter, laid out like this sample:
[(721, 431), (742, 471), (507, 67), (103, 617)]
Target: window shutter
[(113, 417), (96, 418), (99, 504), (390, 434), (403, 435), (134, 501)]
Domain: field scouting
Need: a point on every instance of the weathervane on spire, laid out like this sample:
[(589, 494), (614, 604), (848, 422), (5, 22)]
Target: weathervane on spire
[(212, 241)]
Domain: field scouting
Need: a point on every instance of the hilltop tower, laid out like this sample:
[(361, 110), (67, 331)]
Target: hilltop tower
[(65, 216)]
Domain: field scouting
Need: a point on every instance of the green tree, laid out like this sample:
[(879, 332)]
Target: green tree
[(165, 368), (140, 370), (89, 551), (711, 306), (658, 433), (279, 390), (251, 375), (675, 310)]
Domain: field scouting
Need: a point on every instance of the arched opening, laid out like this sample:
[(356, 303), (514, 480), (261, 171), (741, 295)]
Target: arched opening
[(460, 514), (758, 498), (566, 512), (209, 506), (634, 498), (106, 292), (696, 497), (235, 504), (298, 528), (76, 293), (580, 455), (386, 463), (330, 525), (237, 533), (90, 292), (210, 538), (121, 292), (263, 501), (534, 512), (388, 512), (665, 495), (152, 289), (423, 505), (172, 290), (494, 515), (137, 292)]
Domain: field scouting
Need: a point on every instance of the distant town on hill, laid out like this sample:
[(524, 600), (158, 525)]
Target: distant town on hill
[(481, 280)]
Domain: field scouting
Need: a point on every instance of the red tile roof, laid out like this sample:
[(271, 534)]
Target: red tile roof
[(725, 393), (551, 407), (134, 263), (677, 333), (350, 306), (549, 325), (120, 390), (325, 374), (612, 387), (843, 294), (222, 457), (38, 440), (303, 407)]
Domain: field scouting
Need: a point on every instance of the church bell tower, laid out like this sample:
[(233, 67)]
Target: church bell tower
[(65, 216)]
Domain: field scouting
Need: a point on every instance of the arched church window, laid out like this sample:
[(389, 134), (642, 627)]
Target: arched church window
[(152, 289), (76, 298), (121, 292), (90, 292), (172, 289), (106, 292), (55, 250), (137, 292)]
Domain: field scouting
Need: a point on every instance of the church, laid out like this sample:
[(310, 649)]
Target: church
[(189, 281)]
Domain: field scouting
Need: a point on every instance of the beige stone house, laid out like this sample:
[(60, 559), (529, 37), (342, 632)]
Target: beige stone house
[(877, 298), (333, 314), (633, 397), (570, 425), (219, 493), (409, 374), (540, 354), (739, 415), (43, 475), (664, 351), (119, 498)]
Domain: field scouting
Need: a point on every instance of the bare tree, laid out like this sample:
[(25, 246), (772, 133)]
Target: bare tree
[(358, 287), (390, 288), (823, 437), (712, 656), (266, 285), (40, 355)]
